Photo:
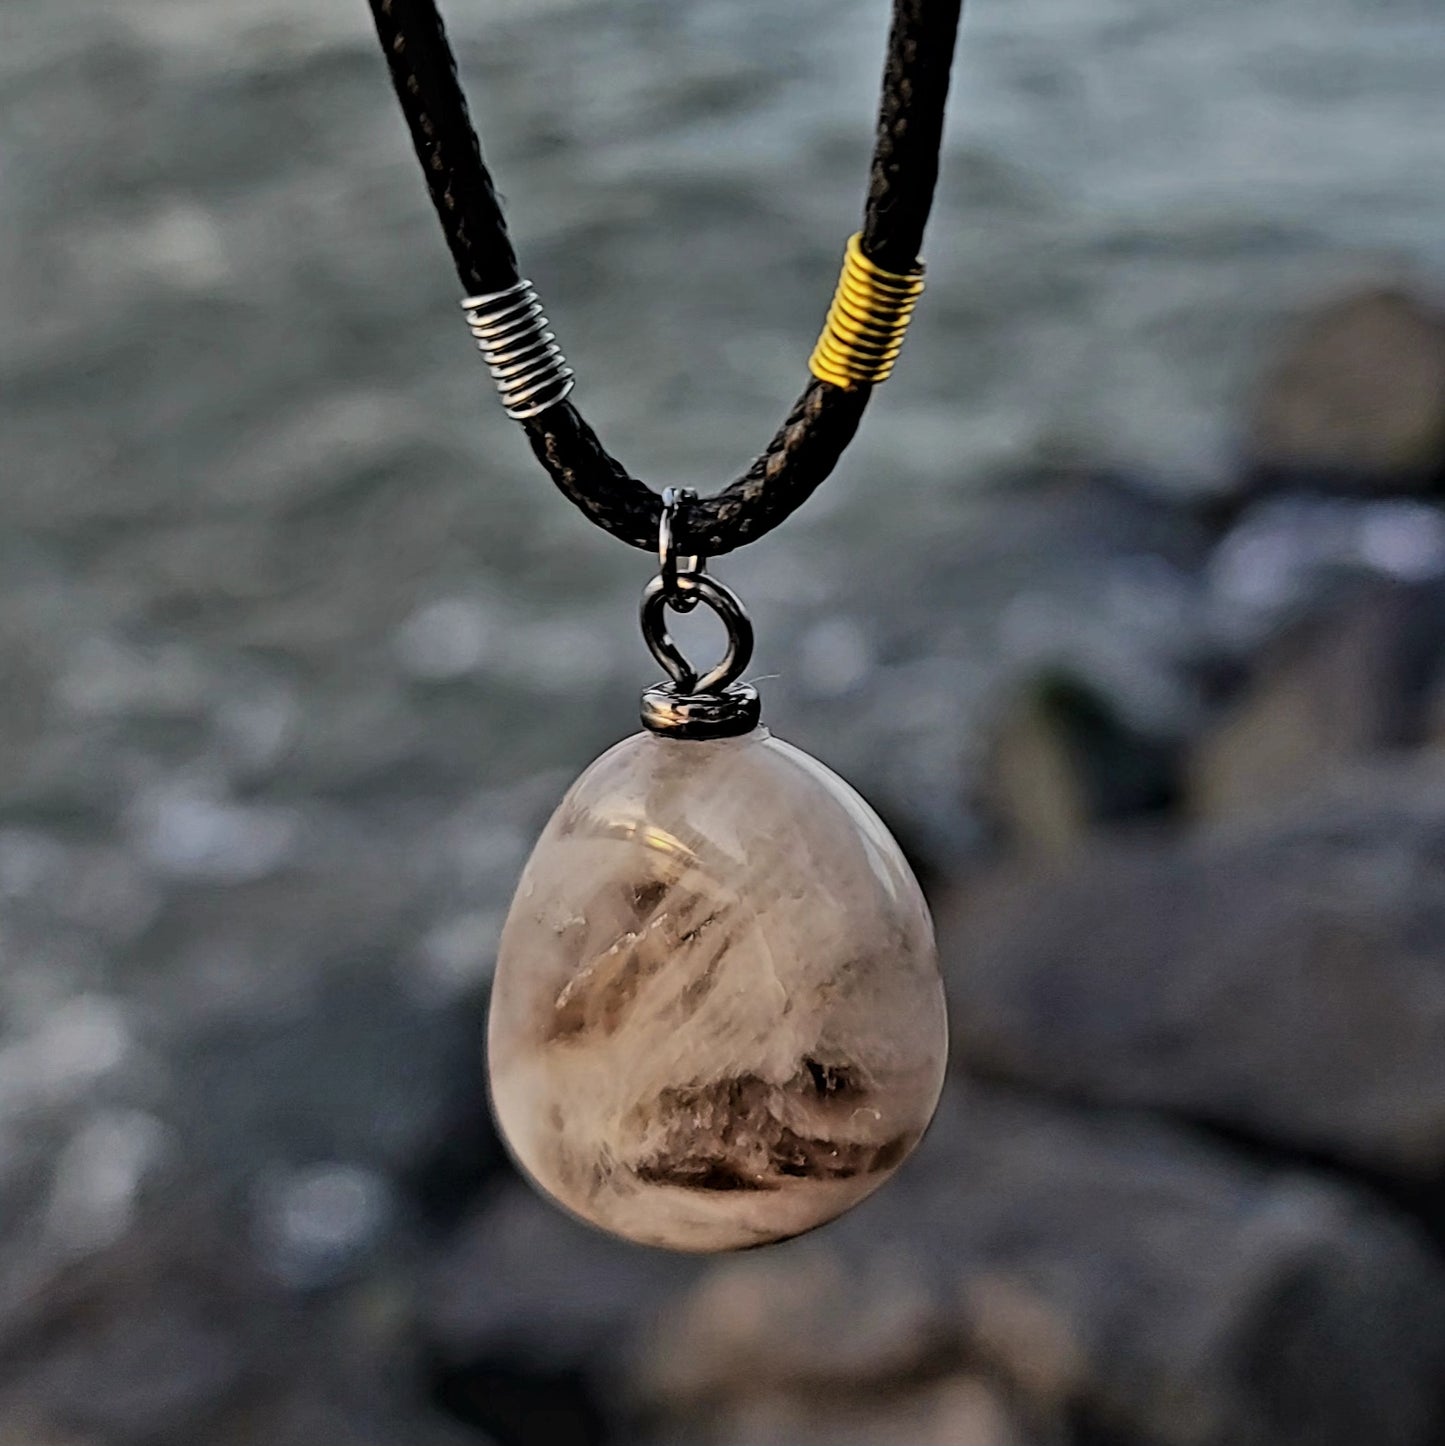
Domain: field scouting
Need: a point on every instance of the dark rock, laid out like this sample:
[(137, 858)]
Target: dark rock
[(962, 1407), (174, 1336), (1285, 981), (1118, 1280), (825, 1345), (1299, 554), (1351, 679), (1435, 717), (1356, 401), (1061, 761), (518, 1403), (148, 1340), (529, 1318), (307, 1418)]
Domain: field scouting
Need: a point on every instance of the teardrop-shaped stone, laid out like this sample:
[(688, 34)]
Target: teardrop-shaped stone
[(717, 1018)]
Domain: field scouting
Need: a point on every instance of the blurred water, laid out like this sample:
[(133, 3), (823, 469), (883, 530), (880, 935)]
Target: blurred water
[(282, 592)]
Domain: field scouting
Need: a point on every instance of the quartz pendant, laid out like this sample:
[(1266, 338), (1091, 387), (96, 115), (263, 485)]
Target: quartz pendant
[(717, 1018)]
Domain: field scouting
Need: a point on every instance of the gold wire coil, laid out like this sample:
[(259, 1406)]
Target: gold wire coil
[(866, 323)]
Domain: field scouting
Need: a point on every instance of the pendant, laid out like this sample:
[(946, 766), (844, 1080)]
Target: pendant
[(717, 1018)]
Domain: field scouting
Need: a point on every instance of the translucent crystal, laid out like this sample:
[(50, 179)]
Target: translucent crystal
[(717, 1018)]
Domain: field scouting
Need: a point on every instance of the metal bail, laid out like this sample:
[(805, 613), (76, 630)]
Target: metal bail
[(714, 704)]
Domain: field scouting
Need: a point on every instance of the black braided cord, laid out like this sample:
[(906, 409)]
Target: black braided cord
[(823, 420)]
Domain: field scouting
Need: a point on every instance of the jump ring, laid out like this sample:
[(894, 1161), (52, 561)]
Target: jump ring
[(731, 614), (678, 573)]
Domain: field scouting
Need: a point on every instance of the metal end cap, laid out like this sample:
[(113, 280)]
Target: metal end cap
[(733, 711)]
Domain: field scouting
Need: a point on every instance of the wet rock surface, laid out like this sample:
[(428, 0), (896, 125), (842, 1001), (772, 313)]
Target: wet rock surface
[(1282, 978), (1356, 400), (1352, 678), (175, 1335), (1062, 764)]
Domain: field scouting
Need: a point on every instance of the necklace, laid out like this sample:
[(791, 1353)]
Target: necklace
[(717, 1018)]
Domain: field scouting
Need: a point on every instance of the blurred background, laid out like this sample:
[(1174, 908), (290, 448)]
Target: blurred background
[(1127, 609)]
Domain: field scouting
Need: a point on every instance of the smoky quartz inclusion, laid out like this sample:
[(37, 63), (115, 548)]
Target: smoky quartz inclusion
[(717, 1018)]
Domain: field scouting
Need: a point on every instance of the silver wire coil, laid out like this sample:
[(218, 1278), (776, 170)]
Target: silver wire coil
[(522, 355)]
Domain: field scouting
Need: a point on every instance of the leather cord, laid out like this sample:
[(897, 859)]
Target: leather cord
[(823, 420)]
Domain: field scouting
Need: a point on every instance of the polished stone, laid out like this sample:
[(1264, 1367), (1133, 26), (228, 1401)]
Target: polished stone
[(717, 1018)]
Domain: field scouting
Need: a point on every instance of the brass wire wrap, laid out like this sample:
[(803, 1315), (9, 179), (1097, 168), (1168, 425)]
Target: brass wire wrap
[(864, 331)]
